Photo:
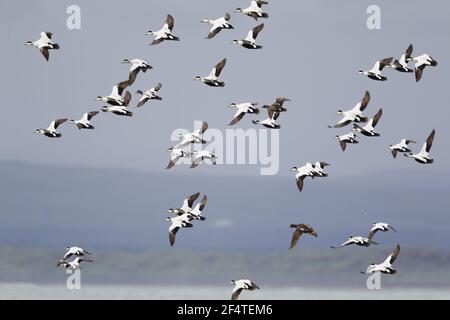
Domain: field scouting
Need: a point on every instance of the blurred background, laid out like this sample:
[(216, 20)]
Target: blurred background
[(107, 190)]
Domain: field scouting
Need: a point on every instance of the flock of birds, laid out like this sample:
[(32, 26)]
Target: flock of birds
[(119, 99)]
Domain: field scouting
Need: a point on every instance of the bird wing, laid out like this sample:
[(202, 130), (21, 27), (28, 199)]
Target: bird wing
[(365, 101), (203, 128), (343, 122), (189, 201), (295, 236), (57, 123), (169, 23), (429, 142), (259, 3), (391, 258), (227, 17), (89, 115), (236, 293), (300, 183), (372, 233), (218, 68), (213, 32), (45, 53), (392, 228), (419, 72), (127, 98), (156, 41), (343, 145), (409, 51), (376, 118), (254, 33), (384, 63), (46, 36), (203, 202), (394, 153), (172, 235), (142, 101), (238, 117)]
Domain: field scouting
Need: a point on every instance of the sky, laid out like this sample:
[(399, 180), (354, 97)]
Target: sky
[(312, 52)]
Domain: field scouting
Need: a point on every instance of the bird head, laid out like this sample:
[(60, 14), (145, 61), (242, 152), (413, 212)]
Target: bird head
[(314, 234), (149, 32), (205, 21), (170, 149), (361, 71), (238, 10), (232, 282), (340, 111), (198, 78), (235, 42), (336, 137), (68, 247), (61, 263), (29, 43), (99, 98), (72, 121), (126, 61), (38, 131), (105, 109), (232, 105), (294, 168), (168, 219)]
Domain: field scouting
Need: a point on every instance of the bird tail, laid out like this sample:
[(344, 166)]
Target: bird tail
[(293, 226), (264, 15), (55, 46), (221, 84)]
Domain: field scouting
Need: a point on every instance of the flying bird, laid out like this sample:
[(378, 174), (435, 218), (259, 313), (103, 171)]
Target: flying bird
[(72, 265), (44, 44), (85, 121), (421, 62), (254, 10), (120, 110), (380, 226), (277, 107), (192, 137), (242, 109), (402, 146), (355, 114), (301, 173), (115, 98), (212, 79), (270, 122), (386, 266), (200, 156), (401, 65), (375, 72), (75, 251), (136, 66), (369, 129), (240, 285), (51, 132), (165, 33), (182, 221), (359, 241), (299, 230), (186, 207), (218, 25), (175, 155), (150, 94), (424, 155), (345, 139), (250, 41)]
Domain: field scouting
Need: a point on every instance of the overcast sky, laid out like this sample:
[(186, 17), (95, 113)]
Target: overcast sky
[(312, 52)]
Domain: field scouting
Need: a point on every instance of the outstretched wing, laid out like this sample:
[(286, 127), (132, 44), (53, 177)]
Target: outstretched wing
[(169, 23), (236, 294), (365, 101), (429, 142), (256, 30), (213, 32), (295, 236), (377, 117), (59, 122), (237, 118), (385, 62), (218, 68)]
